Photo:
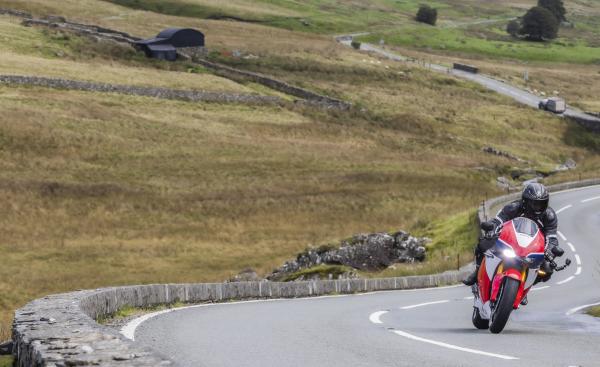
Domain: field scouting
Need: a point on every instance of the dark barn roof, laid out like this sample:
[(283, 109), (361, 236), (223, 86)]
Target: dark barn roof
[(176, 37)]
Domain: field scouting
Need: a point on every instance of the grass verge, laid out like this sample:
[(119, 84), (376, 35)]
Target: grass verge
[(128, 311), (6, 361), (594, 311)]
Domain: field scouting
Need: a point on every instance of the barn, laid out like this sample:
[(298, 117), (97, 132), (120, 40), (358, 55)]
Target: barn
[(164, 46)]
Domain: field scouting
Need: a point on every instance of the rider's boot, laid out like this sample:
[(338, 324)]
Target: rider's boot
[(472, 278), (524, 301)]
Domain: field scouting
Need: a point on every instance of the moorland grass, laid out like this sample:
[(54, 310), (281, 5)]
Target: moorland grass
[(6, 361), (100, 189)]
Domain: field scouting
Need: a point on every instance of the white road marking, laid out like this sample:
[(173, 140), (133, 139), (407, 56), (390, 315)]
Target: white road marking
[(562, 235), (375, 317), (578, 270), (469, 297), (578, 259), (564, 208), (454, 347), (129, 330), (571, 246), (566, 280), (424, 304), (539, 288), (590, 199), (577, 309)]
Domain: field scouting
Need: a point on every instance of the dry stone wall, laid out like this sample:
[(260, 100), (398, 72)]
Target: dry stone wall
[(162, 93), (196, 55)]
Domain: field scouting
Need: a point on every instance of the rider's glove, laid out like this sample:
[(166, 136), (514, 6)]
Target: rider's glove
[(554, 248), (490, 225)]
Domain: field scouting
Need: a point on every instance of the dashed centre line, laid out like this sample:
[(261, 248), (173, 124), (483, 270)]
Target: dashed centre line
[(571, 246), (564, 208), (424, 304), (375, 317), (451, 346), (591, 199), (566, 280), (562, 235)]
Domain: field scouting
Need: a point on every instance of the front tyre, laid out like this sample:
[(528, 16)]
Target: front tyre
[(504, 305), (479, 322)]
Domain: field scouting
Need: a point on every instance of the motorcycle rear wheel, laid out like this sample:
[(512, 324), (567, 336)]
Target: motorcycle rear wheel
[(504, 305), (479, 322)]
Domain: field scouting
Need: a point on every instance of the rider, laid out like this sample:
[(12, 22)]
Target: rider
[(533, 205)]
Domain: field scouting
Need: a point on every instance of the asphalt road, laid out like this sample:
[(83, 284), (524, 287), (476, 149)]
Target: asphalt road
[(403, 328), (518, 94)]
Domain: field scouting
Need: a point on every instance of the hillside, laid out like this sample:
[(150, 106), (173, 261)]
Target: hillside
[(104, 189)]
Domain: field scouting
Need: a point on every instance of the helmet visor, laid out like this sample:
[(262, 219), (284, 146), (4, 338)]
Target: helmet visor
[(538, 206)]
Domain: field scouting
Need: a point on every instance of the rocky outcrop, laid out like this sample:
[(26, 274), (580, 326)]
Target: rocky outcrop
[(162, 93), (369, 252)]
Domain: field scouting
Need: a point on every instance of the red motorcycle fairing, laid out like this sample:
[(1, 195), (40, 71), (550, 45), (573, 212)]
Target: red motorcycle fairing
[(483, 283)]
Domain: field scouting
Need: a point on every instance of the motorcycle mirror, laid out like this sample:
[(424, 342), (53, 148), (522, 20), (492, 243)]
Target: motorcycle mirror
[(568, 262)]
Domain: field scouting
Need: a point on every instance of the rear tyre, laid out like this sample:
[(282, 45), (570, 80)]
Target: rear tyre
[(479, 322), (504, 305)]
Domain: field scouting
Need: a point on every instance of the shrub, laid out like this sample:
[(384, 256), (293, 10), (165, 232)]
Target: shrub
[(513, 28), (427, 14), (555, 7), (355, 45), (539, 24)]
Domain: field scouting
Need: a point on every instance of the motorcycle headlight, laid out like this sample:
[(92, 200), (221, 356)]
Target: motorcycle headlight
[(510, 253)]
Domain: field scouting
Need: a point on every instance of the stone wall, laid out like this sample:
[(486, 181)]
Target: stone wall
[(60, 330), (236, 74), (162, 93), (194, 54)]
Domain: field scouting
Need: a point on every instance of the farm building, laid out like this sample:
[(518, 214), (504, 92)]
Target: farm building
[(164, 46)]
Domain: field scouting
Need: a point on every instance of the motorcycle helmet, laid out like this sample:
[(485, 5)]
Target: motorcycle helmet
[(535, 199)]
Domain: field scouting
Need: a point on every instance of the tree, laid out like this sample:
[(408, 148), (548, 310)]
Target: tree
[(539, 24), (513, 28), (556, 7), (427, 14)]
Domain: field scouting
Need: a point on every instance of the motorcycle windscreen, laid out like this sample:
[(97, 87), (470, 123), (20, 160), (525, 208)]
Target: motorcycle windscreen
[(525, 226)]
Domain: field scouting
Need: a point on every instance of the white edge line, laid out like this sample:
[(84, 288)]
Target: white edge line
[(375, 317), (564, 208), (450, 346), (571, 246), (562, 235), (566, 280), (424, 304), (578, 270), (469, 297), (578, 259), (539, 288), (590, 199), (579, 308), (129, 329)]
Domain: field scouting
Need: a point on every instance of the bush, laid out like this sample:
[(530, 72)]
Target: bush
[(355, 45), (513, 28), (555, 7), (539, 24), (427, 14)]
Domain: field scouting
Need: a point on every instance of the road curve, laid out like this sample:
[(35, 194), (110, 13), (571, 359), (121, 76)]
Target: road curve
[(518, 94), (429, 327)]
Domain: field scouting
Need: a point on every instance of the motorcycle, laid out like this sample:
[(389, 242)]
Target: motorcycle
[(515, 254)]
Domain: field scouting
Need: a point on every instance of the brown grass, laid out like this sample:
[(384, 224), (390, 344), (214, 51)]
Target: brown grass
[(100, 189)]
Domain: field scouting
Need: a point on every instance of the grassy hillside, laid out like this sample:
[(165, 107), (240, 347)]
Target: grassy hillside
[(102, 189)]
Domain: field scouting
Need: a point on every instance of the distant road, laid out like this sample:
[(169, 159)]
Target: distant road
[(427, 327), (518, 94)]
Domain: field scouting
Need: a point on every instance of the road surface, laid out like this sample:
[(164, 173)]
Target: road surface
[(518, 94), (403, 328)]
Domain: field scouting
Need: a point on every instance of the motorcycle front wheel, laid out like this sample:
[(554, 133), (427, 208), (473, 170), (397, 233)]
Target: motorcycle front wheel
[(504, 305)]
